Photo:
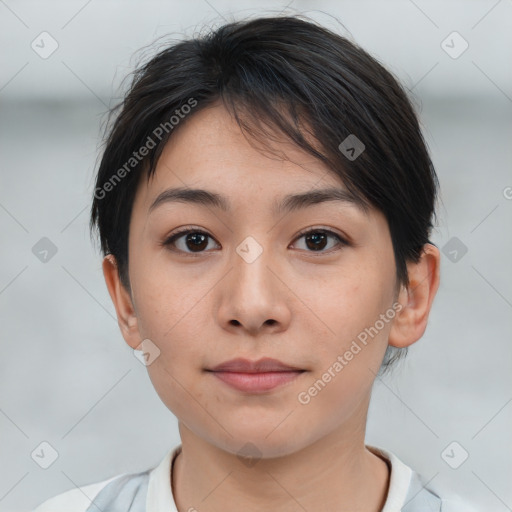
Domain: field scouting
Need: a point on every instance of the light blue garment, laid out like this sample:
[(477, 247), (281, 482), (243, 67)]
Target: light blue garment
[(420, 498), (124, 494), (128, 494)]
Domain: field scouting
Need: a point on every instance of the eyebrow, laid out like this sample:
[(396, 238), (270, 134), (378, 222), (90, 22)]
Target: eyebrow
[(288, 203)]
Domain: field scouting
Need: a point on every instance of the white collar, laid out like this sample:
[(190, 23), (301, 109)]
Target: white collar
[(160, 497), (399, 480)]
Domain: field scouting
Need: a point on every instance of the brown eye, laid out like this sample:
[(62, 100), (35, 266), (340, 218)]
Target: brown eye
[(196, 241), (188, 241), (316, 240)]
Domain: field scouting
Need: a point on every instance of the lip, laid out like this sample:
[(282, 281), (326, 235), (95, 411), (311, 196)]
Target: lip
[(263, 365), (256, 376)]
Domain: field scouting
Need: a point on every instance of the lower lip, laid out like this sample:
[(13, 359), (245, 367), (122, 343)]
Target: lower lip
[(257, 382)]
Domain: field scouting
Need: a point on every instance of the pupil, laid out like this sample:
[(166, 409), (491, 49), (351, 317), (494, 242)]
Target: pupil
[(317, 237), (198, 241)]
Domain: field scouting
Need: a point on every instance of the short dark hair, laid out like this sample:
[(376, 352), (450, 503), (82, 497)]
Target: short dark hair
[(289, 74)]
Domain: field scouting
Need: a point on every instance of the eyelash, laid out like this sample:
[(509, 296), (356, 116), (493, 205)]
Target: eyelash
[(190, 229)]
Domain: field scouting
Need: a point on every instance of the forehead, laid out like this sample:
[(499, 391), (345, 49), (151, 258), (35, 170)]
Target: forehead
[(210, 153)]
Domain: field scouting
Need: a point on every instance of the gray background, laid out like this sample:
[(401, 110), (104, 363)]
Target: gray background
[(66, 375)]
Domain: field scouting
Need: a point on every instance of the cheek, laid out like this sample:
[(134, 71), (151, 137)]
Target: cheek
[(350, 308), (176, 372), (340, 303), (164, 298)]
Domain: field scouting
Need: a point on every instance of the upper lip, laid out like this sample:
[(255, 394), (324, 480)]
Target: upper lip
[(266, 364)]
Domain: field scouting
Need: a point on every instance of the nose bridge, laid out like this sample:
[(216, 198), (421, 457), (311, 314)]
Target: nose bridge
[(253, 296), (251, 261)]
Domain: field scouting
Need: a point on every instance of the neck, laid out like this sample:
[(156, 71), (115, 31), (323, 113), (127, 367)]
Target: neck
[(336, 472)]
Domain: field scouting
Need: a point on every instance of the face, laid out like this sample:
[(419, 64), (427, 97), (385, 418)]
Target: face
[(244, 281)]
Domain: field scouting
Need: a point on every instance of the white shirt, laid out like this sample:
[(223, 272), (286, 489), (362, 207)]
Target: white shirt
[(151, 491)]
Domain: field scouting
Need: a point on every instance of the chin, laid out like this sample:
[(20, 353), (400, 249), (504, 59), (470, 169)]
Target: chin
[(265, 443)]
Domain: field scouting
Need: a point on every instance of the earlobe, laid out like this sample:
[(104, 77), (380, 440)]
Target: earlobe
[(416, 300), (126, 317)]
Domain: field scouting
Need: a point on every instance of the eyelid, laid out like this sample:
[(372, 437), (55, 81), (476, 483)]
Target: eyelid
[(186, 229), (330, 231)]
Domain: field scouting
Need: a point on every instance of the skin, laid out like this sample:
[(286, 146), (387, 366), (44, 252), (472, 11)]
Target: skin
[(300, 306)]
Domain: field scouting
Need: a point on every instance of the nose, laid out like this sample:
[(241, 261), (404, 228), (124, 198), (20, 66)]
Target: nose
[(254, 297)]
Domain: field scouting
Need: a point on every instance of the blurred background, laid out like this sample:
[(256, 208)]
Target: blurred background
[(71, 389)]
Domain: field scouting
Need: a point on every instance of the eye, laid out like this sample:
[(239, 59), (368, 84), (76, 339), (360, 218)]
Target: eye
[(317, 239), (194, 239)]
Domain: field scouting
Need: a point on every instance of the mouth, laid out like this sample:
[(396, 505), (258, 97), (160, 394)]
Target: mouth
[(255, 376)]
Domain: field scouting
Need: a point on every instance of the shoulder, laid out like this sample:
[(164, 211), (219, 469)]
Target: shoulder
[(74, 500), (457, 504), (410, 492), (424, 497), (122, 493)]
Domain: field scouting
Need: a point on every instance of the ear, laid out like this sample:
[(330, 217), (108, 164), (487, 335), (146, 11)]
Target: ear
[(416, 300), (126, 316)]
